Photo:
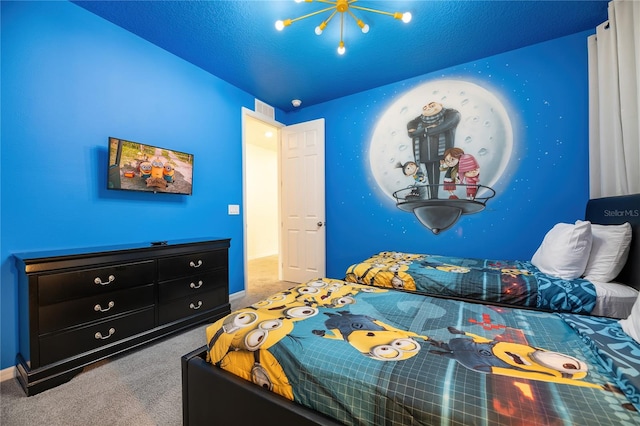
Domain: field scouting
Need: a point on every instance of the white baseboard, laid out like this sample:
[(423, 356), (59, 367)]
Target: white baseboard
[(237, 295), (7, 373)]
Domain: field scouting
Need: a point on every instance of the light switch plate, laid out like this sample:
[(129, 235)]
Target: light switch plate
[(234, 209)]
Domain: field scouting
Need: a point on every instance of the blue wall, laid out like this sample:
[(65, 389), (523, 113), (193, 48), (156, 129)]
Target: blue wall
[(71, 79), (544, 89)]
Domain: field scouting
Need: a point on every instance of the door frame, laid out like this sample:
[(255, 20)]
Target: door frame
[(267, 120)]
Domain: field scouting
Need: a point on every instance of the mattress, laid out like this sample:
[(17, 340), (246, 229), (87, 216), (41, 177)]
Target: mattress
[(613, 299)]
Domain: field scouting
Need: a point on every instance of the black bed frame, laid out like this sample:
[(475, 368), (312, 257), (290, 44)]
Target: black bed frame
[(209, 393), (213, 396)]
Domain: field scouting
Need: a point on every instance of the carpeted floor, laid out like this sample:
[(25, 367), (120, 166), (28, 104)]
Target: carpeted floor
[(140, 388)]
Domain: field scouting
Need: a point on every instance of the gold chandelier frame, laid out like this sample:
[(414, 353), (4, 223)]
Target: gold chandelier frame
[(342, 7)]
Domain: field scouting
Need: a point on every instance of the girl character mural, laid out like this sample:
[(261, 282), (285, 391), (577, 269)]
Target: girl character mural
[(469, 172), (449, 165), (410, 168)]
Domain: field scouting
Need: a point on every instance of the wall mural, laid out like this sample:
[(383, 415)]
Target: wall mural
[(438, 150)]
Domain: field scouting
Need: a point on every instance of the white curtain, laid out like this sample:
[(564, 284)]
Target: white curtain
[(614, 102)]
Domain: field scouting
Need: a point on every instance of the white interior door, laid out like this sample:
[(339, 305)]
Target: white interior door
[(303, 237)]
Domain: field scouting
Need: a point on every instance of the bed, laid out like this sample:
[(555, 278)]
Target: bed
[(584, 267), (332, 352)]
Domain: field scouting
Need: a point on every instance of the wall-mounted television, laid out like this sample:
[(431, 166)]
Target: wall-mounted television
[(135, 166)]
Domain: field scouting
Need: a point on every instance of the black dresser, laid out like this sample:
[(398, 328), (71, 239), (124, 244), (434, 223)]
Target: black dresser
[(80, 306)]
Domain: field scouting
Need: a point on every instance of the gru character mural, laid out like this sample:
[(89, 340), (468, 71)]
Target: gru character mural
[(459, 118), (432, 133)]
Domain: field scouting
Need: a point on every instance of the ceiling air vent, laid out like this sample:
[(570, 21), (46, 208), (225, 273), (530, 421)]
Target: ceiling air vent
[(264, 109)]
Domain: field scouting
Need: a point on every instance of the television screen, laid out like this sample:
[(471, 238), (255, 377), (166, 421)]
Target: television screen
[(135, 166)]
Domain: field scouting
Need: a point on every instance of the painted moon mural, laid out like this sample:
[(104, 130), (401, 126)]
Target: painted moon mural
[(484, 130)]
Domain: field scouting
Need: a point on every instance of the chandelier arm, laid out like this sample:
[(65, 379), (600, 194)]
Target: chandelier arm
[(341, 49), (311, 14), (330, 16), (366, 9), (355, 18)]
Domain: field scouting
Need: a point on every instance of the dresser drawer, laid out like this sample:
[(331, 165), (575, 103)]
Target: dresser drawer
[(54, 288), (57, 346), (94, 308), (178, 266), (185, 307), (77, 306), (191, 286)]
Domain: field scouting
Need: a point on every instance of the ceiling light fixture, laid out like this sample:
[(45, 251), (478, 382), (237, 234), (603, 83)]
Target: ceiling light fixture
[(342, 7)]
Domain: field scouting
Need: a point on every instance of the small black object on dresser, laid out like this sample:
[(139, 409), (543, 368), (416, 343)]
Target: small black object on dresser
[(80, 306)]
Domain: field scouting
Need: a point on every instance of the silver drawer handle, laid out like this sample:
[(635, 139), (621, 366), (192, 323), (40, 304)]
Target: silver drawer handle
[(192, 306), (98, 308), (99, 336), (195, 265), (193, 285), (99, 281)]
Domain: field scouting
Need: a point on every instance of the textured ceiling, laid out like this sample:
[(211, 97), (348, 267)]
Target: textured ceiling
[(237, 40)]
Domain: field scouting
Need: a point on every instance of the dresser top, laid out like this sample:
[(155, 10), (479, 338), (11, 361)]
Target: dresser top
[(35, 261)]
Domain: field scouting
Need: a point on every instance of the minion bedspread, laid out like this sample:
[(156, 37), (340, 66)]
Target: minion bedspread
[(510, 282), (370, 356)]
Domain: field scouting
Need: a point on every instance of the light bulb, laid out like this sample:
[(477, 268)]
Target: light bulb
[(363, 27), (406, 17), (279, 25), (321, 27), (341, 48)]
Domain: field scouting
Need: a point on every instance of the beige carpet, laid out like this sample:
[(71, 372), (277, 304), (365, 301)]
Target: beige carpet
[(141, 388), (262, 281)]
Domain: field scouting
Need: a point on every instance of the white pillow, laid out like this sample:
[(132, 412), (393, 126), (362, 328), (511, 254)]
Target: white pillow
[(609, 251), (631, 325), (564, 252)]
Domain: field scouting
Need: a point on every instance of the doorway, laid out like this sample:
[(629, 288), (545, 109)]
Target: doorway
[(262, 199), (283, 196)]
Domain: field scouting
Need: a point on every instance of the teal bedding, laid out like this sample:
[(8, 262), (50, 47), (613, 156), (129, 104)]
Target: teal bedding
[(510, 282), (371, 356)]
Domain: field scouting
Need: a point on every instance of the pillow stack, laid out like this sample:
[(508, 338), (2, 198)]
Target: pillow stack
[(609, 251), (564, 252), (595, 252)]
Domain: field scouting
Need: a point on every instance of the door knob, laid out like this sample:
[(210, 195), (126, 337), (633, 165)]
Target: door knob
[(320, 223)]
